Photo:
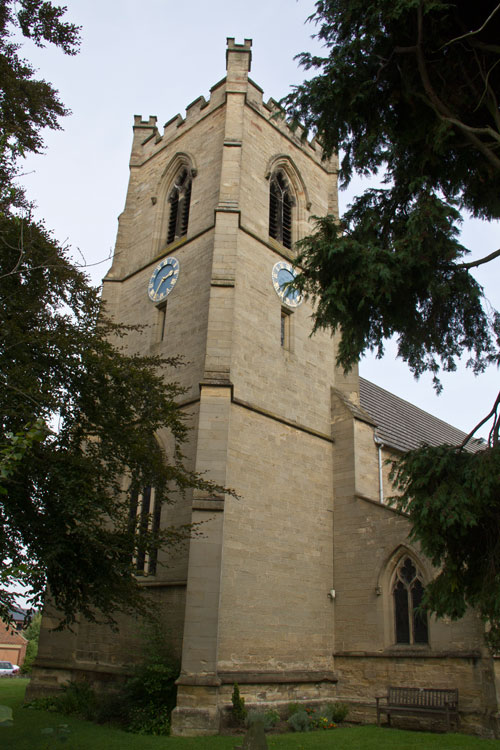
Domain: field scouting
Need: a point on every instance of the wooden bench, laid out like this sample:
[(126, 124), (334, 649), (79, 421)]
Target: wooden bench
[(406, 701)]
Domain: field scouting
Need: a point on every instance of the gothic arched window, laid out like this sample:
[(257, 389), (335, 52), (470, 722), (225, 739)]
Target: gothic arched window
[(407, 591), (280, 209), (179, 199), (144, 520)]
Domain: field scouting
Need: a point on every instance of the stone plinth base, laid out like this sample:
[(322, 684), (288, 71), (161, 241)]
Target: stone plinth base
[(194, 722), (204, 701), (197, 711)]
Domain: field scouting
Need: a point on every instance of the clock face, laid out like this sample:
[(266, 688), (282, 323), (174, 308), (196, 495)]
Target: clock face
[(163, 279), (282, 274)]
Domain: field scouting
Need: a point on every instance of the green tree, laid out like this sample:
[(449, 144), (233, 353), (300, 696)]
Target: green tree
[(64, 514), (65, 492), (27, 104), (32, 634), (410, 89)]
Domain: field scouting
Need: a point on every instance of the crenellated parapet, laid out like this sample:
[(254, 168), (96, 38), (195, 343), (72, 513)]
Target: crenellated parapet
[(148, 140), (272, 111)]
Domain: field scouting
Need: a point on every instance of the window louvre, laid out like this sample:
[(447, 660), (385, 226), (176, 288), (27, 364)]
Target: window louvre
[(280, 209), (174, 205), (180, 200), (273, 213), (287, 222), (184, 210)]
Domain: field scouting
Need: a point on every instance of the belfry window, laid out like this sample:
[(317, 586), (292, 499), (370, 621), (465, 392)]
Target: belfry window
[(410, 623), (179, 199), (144, 517), (280, 209)]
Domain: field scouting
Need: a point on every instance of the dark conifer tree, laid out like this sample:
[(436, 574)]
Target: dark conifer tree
[(410, 89)]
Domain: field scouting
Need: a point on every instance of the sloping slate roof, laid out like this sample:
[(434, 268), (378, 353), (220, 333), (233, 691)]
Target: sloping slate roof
[(403, 426)]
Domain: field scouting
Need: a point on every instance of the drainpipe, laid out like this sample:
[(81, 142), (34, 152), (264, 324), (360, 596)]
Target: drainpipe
[(380, 445)]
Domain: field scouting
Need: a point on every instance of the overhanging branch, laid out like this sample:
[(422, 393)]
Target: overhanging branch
[(472, 33), (443, 111), (494, 430), (475, 263)]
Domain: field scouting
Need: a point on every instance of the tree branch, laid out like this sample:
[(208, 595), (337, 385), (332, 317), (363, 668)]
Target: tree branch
[(493, 436), (406, 50), (488, 90), (441, 109), (470, 129), (471, 33), (483, 421), (475, 263), (22, 393)]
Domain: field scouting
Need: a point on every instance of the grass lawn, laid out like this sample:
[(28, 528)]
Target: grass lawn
[(26, 734)]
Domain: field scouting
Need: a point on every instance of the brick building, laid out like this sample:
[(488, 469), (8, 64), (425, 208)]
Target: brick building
[(12, 644), (304, 587)]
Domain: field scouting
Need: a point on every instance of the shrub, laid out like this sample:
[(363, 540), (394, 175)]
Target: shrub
[(268, 718), (44, 703), (300, 721), (143, 705), (239, 711), (77, 698), (151, 693), (326, 717), (292, 708), (323, 722), (335, 712), (153, 684), (149, 720), (113, 707)]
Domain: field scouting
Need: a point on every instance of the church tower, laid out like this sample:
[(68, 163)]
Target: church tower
[(274, 592), (205, 247)]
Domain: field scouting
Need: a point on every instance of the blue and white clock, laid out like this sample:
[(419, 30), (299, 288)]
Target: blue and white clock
[(163, 279), (282, 274)]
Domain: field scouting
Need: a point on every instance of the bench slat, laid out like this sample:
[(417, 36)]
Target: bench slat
[(410, 700)]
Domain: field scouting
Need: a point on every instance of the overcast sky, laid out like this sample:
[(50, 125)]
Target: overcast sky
[(154, 59)]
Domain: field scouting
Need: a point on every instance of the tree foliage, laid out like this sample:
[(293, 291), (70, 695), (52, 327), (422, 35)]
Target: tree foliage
[(27, 104), (32, 635), (452, 499), (78, 415), (64, 514), (410, 89)]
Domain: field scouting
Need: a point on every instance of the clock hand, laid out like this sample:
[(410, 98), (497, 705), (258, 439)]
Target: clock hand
[(285, 288), (165, 278)]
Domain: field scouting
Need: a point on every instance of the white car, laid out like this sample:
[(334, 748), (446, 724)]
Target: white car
[(7, 669)]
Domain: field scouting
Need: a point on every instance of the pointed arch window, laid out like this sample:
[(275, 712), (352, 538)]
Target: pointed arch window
[(409, 622), (144, 521), (280, 209), (179, 199)]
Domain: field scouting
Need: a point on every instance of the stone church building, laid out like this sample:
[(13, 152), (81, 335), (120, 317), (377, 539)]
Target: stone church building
[(303, 588)]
